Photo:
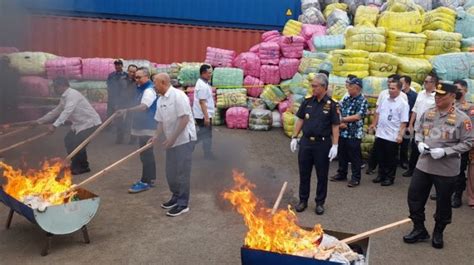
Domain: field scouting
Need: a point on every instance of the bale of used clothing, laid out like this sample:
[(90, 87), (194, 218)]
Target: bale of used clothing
[(101, 109), (352, 5), (288, 67), (308, 31), (189, 74), (276, 119), (283, 106), (328, 43), (366, 16), (97, 68), (311, 62), (373, 85), (401, 6), (270, 74), (272, 95), (270, 35), (253, 85), (305, 4), (94, 91), (231, 99), (30, 63), (285, 86), (237, 118), (313, 16), (401, 21), (249, 62), (70, 68), (295, 101), (219, 57), (34, 86), (299, 84), (269, 53), (292, 28), (260, 120), (337, 22), (452, 4), (365, 38), (467, 44), (406, 43), (255, 103), (292, 47), (415, 68), (337, 87), (382, 64), (223, 77), (331, 7), (427, 5), (454, 66), (442, 18), (218, 117), (441, 42), (289, 120), (464, 22), (346, 62)]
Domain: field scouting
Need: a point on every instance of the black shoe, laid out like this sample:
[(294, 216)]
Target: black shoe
[(416, 235), (408, 173), (387, 182), (319, 209), (177, 210), (169, 204), (437, 241), (370, 171), (301, 206), (337, 178), (353, 183), (378, 179), (433, 197), (80, 171), (456, 200), (404, 165)]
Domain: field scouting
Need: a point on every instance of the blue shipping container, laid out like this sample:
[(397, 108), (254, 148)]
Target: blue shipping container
[(250, 14)]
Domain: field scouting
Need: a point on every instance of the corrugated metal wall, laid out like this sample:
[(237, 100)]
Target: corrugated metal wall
[(161, 43)]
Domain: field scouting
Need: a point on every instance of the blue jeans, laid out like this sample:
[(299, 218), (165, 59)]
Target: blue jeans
[(178, 172)]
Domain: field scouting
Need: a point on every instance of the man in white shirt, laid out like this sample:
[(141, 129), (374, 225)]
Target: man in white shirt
[(176, 123), (73, 106), (391, 118), (203, 109)]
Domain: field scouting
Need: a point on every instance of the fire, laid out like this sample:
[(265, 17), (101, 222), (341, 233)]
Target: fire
[(276, 233), (41, 183)]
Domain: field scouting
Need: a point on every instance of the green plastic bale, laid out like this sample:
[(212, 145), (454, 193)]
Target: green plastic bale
[(188, 75), (226, 77)]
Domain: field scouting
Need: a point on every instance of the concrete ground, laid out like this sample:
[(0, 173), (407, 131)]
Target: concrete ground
[(133, 229)]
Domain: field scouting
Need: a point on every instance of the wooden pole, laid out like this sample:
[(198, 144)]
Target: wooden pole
[(24, 142), (280, 196), (15, 124), (14, 131), (366, 234)]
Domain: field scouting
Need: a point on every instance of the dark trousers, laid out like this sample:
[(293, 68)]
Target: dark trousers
[(73, 140), (314, 154), (124, 128), (349, 151), (419, 191), (413, 155), (386, 157), (148, 161), (403, 159), (460, 180), (204, 135), (178, 172)]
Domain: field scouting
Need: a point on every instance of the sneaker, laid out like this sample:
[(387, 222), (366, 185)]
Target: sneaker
[(169, 204), (139, 187), (177, 210)]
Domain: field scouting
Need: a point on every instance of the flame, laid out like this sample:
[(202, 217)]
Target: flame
[(276, 233), (40, 182)]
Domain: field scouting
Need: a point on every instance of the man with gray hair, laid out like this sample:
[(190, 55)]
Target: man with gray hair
[(319, 121)]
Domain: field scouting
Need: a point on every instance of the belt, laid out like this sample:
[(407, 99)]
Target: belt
[(316, 138)]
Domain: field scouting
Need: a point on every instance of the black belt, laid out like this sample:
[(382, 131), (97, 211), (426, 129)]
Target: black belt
[(317, 138)]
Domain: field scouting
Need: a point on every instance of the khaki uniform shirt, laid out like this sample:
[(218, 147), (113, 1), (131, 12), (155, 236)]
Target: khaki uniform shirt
[(451, 131)]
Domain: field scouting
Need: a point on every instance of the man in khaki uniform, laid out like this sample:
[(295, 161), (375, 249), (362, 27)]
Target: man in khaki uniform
[(442, 135)]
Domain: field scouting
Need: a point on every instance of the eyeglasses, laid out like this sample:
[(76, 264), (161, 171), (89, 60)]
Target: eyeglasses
[(137, 77)]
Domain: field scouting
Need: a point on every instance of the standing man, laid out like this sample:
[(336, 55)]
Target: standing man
[(203, 109), (73, 106), (175, 122), (114, 86), (353, 109), (442, 134), (424, 101), (143, 127), (411, 95), (127, 98), (319, 120), (391, 118)]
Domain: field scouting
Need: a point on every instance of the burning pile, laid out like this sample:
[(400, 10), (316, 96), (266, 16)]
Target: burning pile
[(37, 188)]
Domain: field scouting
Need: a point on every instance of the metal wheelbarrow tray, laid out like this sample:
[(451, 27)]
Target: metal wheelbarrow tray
[(57, 219)]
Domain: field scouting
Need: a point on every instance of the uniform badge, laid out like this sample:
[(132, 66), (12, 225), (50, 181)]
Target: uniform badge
[(325, 111), (328, 102), (430, 115), (451, 120), (426, 131), (467, 125), (306, 116)]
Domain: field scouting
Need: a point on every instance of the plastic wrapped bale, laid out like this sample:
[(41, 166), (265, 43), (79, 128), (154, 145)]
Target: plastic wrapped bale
[(453, 4), (237, 118), (70, 68), (406, 43), (255, 48), (352, 5), (272, 95), (189, 74), (7, 50), (227, 77), (441, 18), (227, 98), (30, 63), (269, 53), (309, 30), (366, 16), (328, 43), (417, 69), (329, 9), (270, 35), (337, 87), (467, 44), (299, 84), (97, 68), (276, 119), (305, 4), (400, 6), (292, 28), (255, 103), (218, 117), (312, 63), (295, 102), (427, 5), (260, 120), (34, 86), (219, 57), (373, 85), (382, 64), (440, 42), (270, 74), (338, 22), (365, 38), (292, 47), (161, 68), (313, 16), (288, 67), (174, 70), (249, 62), (401, 21), (94, 91), (346, 62), (285, 86), (289, 120), (366, 145), (283, 106), (253, 85), (464, 22), (453, 66)]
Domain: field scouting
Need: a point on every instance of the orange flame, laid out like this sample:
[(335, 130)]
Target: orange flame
[(276, 233), (40, 182)]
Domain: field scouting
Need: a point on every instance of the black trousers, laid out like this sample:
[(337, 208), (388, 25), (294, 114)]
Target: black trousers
[(349, 151), (73, 140), (314, 154), (413, 155), (460, 180), (419, 191), (204, 135), (403, 158), (148, 161), (386, 157)]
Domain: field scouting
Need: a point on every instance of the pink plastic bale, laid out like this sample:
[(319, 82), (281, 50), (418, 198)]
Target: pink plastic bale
[(283, 106), (255, 48), (309, 30), (310, 45), (237, 118), (34, 86), (29, 112), (7, 50), (219, 57), (254, 86), (66, 67), (269, 35), (101, 109), (249, 62), (270, 74), (288, 67), (97, 68), (269, 53), (292, 46)]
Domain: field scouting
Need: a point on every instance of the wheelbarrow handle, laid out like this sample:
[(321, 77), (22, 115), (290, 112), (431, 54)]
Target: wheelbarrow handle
[(366, 234)]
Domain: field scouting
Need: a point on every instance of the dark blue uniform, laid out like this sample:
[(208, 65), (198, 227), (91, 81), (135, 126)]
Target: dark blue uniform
[(318, 118)]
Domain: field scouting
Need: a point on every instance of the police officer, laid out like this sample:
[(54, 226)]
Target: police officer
[(442, 135), (318, 118)]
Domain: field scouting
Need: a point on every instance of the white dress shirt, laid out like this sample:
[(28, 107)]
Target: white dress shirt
[(203, 91), (392, 112), (73, 106), (424, 101), (384, 95), (170, 107)]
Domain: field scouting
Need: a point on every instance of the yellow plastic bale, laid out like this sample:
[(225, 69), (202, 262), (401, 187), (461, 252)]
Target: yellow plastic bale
[(366, 15), (441, 35), (289, 120), (442, 18), (401, 5), (358, 30), (367, 46), (417, 69), (404, 22), (403, 36), (328, 10), (383, 57), (306, 63), (382, 69), (416, 86), (340, 60), (365, 38), (438, 50), (408, 48), (359, 74), (350, 67), (350, 53), (292, 28)]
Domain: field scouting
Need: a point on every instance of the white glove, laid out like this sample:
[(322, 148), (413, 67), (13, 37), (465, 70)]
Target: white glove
[(294, 145), (332, 152), (422, 148), (437, 153)]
